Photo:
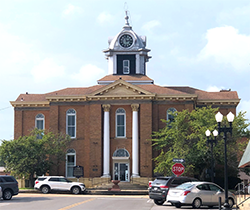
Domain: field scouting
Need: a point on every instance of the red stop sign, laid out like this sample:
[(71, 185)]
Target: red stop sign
[(178, 169)]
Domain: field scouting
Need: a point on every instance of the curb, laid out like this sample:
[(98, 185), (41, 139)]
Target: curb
[(97, 192)]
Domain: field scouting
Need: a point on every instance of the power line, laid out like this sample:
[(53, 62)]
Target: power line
[(5, 108)]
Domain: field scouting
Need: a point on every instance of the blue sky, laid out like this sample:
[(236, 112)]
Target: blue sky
[(47, 45)]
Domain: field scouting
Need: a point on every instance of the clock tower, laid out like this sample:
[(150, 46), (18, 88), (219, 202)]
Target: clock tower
[(127, 53)]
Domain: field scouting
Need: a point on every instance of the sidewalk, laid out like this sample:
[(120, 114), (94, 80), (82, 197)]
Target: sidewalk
[(246, 204)]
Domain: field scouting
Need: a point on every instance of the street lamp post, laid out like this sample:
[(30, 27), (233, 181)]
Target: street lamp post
[(212, 141), (225, 130)]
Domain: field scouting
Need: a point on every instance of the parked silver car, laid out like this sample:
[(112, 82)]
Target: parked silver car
[(197, 194)]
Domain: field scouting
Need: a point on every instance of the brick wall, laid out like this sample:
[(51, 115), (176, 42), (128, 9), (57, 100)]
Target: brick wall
[(88, 143), (146, 123)]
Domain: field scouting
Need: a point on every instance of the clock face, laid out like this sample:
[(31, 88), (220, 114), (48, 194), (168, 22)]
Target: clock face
[(126, 40)]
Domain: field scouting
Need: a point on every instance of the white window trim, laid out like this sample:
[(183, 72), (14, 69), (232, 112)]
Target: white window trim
[(171, 111), (40, 118), (123, 66), (66, 168), (70, 114), (116, 130)]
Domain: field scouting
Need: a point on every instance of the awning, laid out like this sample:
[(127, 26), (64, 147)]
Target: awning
[(245, 160)]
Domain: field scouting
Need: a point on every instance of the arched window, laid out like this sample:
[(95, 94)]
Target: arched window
[(39, 124), (71, 123), (170, 114), (120, 123), (70, 162), (121, 153)]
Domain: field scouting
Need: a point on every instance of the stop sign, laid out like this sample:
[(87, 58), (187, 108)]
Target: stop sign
[(178, 169)]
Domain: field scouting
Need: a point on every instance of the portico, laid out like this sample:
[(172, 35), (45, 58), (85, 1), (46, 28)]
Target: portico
[(120, 162)]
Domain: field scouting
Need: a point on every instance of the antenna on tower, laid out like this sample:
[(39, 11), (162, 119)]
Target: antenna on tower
[(125, 6), (127, 14)]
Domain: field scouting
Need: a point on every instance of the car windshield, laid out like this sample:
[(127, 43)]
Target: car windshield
[(68, 180), (185, 186), (160, 181)]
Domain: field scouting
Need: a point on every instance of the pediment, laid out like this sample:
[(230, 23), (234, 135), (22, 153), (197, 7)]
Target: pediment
[(121, 88)]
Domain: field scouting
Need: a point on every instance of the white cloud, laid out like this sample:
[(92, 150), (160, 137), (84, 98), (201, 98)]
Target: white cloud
[(228, 47), (104, 18), (13, 51), (214, 89), (72, 10), (149, 26), (236, 14), (175, 51), (88, 74), (47, 69)]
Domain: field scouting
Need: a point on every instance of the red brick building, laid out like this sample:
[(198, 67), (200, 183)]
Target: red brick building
[(110, 123)]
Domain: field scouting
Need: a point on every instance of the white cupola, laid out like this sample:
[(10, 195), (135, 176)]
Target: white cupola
[(127, 53)]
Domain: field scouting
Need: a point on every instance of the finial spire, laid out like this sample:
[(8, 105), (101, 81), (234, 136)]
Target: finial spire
[(127, 26), (126, 18)]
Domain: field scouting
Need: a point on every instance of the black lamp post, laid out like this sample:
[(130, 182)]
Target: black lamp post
[(225, 130), (212, 142)]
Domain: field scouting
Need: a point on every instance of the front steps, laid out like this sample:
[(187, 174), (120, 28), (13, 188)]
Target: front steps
[(127, 188)]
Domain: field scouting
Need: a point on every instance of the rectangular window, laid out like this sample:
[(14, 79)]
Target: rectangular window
[(70, 165), (39, 124), (120, 125), (125, 66), (71, 125)]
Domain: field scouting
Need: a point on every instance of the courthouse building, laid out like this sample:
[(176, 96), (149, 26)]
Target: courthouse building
[(110, 123)]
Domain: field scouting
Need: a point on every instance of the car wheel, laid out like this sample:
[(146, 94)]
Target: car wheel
[(75, 190), (178, 205), (197, 203), (7, 194), (158, 202), (45, 189), (230, 202)]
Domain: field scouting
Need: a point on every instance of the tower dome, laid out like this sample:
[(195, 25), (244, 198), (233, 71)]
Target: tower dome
[(127, 53)]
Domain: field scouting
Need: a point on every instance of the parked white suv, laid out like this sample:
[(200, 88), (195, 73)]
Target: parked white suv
[(58, 183)]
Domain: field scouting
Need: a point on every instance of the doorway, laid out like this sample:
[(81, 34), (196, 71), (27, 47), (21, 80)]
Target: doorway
[(121, 171)]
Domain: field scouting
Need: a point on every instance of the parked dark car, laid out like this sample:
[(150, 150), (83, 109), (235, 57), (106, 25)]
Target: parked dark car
[(9, 186), (158, 189)]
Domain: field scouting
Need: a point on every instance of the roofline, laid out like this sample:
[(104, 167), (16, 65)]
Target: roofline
[(54, 99), (218, 101), (134, 82), (30, 103)]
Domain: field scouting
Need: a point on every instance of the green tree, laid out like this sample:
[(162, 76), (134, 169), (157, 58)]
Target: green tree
[(31, 155), (185, 138)]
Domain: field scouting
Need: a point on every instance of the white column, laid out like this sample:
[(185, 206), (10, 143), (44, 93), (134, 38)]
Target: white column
[(106, 142), (135, 141)]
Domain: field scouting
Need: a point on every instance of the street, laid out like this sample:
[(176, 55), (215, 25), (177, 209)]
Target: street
[(28, 201)]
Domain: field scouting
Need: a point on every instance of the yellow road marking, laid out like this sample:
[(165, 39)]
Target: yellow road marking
[(76, 204)]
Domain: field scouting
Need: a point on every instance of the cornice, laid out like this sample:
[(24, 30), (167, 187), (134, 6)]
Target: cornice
[(30, 103), (186, 97), (66, 98), (218, 102), (121, 97), (146, 97)]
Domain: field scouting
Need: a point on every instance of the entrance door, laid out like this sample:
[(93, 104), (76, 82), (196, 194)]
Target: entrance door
[(121, 172)]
